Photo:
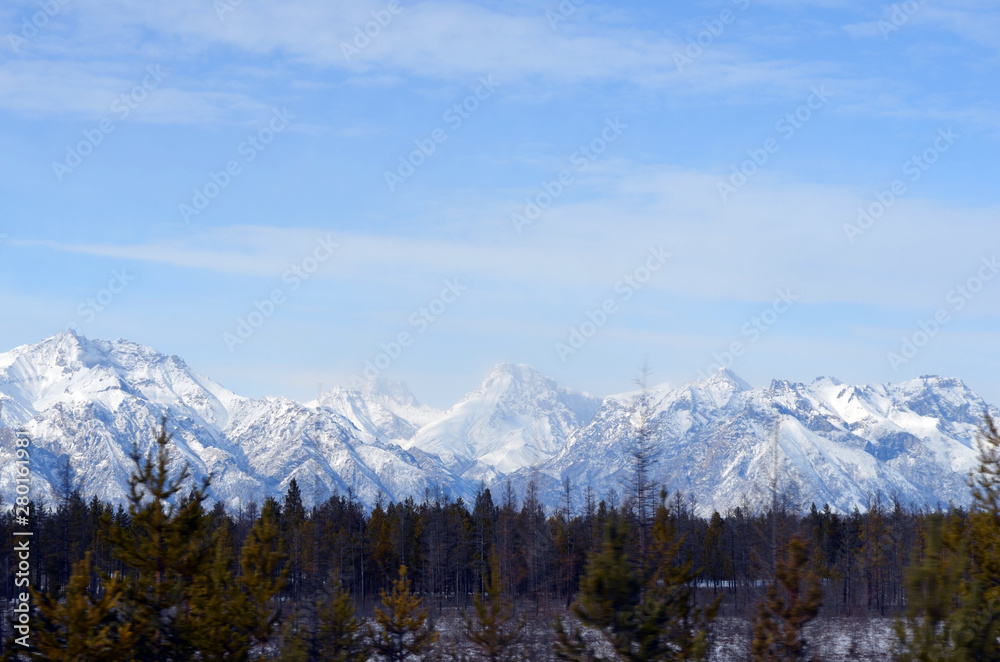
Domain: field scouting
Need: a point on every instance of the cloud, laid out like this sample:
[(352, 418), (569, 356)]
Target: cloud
[(96, 89), (773, 234), (432, 39)]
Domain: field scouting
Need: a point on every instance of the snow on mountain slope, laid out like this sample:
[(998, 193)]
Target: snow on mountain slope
[(720, 440), (384, 409), (730, 445), (517, 418), (89, 401)]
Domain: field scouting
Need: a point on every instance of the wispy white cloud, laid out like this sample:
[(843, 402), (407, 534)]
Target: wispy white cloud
[(773, 234), (96, 90), (439, 40)]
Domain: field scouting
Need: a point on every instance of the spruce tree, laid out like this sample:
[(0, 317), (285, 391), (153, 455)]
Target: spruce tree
[(642, 618), (264, 574), (494, 632), (685, 629), (166, 548), (609, 592), (931, 631), (954, 590), (980, 626), (792, 600), (403, 631), (218, 626), (338, 636), (78, 627)]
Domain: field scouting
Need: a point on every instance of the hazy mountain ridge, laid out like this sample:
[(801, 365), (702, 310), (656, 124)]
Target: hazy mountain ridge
[(723, 441)]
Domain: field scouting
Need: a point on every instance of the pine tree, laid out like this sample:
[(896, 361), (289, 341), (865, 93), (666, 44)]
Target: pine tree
[(642, 618), (167, 548), (294, 525), (494, 632), (294, 643), (684, 628), (80, 628), (338, 636), (264, 575), (403, 631), (953, 591), (570, 646), (932, 628), (980, 629), (484, 515), (609, 592), (219, 625), (792, 600), (717, 565)]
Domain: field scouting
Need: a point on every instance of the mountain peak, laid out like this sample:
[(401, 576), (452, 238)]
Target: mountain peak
[(392, 389), (507, 376), (728, 379)]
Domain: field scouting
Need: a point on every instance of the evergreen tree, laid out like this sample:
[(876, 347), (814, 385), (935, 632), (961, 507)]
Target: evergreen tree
[(792, 600), (293, 526), (294, 644), (166, 547), (338, 636), (570, 646), (609, 592), (980, 629), (484, 515), (263, 576), (643, 619), (79, 628), (931, 630), (403, 631), (217, 628), (684, 628), (954, 590), (494, 632)]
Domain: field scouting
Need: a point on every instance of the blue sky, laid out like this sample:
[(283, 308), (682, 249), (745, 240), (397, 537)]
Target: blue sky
[(497, 177)]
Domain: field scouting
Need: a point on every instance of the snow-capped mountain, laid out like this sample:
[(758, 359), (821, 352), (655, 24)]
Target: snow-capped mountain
[(382, 409), (88, 401), (720, 440), (731, 445), (518, 418)]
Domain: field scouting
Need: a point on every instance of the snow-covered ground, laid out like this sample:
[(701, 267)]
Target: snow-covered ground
[(830, 639)]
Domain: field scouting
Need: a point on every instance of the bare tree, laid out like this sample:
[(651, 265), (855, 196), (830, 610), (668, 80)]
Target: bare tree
[(645, 452)]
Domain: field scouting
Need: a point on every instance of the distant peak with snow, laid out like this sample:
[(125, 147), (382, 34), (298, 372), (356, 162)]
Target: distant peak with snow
[(719, 438)]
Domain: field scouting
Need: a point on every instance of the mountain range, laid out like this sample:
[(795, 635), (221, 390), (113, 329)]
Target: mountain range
[(720, 441)]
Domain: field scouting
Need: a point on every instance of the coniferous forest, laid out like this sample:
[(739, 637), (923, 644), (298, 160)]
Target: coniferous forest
[(633, 575)]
